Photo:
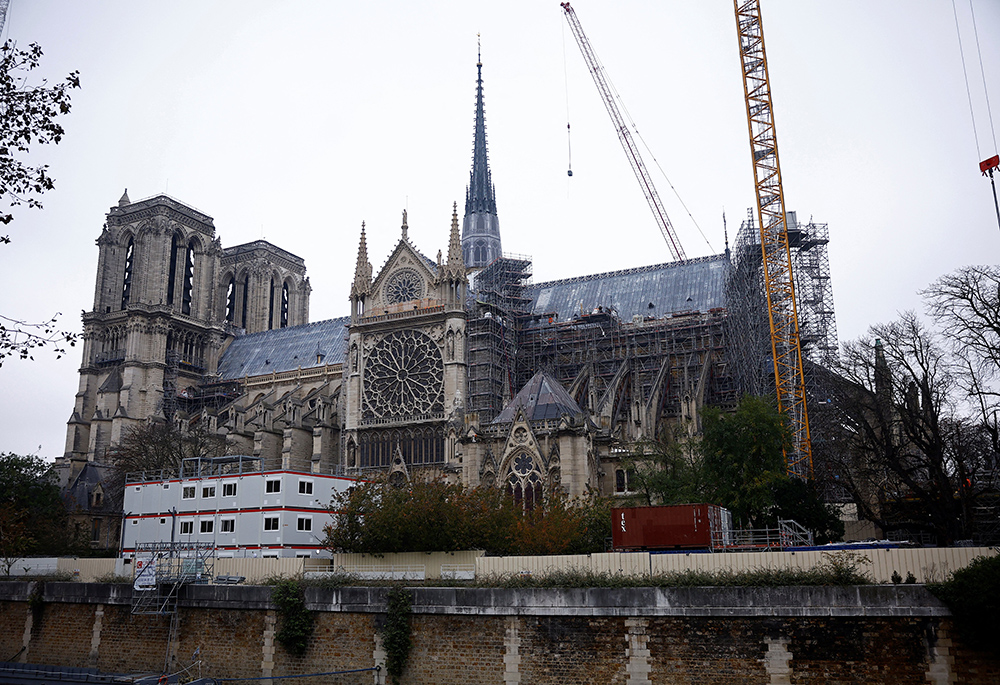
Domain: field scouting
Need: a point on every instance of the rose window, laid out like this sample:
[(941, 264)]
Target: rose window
[(403, 286), (523, 464), (404, 376)]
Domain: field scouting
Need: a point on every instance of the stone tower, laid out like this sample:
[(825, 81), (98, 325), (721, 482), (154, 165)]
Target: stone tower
[(262, 287), (167, 299), (153, 330), (480, 227)]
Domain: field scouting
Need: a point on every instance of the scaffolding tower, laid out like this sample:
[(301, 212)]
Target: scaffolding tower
[(165, 568), (500, 310), (748, 327)]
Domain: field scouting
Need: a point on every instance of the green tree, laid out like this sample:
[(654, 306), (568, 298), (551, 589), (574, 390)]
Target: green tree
[(33, 519), (743, 460)]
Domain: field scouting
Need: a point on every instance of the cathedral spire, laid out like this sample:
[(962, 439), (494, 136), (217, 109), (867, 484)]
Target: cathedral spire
[(363, 269), (481, 227)]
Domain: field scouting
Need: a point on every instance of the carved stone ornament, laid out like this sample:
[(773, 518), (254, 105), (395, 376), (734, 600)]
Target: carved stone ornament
[(520, 435)]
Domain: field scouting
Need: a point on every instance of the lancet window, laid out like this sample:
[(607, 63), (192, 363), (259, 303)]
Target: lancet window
[(231, 300), (127, 280), (172, 272), (188, 279), (284, 305), (246, 301)]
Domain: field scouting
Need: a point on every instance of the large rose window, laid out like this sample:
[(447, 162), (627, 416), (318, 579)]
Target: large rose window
[(404, 376), (403, 286)]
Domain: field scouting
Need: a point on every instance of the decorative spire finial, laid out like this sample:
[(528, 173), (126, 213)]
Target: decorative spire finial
[(455, 260), (363, 269), (405, 227)]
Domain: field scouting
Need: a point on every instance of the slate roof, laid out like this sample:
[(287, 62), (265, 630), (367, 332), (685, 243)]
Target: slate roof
[(541, 398), (285, 349), (695, 285)]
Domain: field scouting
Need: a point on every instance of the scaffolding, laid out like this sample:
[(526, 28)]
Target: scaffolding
[(500, 310), (165, 568), (748, 326), (662, 367)]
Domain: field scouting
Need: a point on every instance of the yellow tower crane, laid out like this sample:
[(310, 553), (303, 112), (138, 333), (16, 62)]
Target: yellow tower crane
[(776, 257)]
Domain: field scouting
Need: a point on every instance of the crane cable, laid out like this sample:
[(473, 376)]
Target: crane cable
[(986, 166), (635, 128), (569, 140)]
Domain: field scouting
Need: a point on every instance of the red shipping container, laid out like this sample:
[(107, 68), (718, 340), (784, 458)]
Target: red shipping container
[(680, 526)]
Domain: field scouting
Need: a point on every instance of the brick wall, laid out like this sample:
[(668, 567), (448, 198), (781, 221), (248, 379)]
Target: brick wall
[(464, 636)]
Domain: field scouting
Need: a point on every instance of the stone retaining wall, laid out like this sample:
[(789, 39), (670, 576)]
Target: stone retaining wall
[(468, 636)]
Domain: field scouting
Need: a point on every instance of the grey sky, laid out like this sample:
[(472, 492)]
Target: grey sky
[(296, 121)]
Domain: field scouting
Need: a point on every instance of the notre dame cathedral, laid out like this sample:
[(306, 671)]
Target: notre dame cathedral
[(456, 366)]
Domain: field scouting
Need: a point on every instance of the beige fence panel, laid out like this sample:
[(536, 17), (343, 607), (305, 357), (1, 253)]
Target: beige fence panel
[(86, 570), (536, 566), (430, 562), (626, 563), (256, 570), (926, 564)]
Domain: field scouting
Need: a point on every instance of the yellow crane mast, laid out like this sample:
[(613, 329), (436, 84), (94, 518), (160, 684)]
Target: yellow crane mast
[(777, 259)]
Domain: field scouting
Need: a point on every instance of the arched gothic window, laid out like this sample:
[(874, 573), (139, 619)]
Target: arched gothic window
[(231, 300), (246, 300), (188, 280), (480, 252), (284, 305), (270, 307), (524, 482), (172, 273), (127, 280)]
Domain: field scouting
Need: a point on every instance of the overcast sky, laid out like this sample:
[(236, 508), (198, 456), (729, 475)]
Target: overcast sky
[(296, 121)]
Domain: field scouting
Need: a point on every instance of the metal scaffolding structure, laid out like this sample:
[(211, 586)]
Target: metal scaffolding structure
[(748, 329), (498, 315)]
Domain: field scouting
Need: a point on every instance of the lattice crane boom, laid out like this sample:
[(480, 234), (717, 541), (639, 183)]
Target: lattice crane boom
[(624, 136), (777, 260)]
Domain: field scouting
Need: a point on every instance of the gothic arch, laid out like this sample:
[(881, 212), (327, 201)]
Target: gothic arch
[(523, 478)]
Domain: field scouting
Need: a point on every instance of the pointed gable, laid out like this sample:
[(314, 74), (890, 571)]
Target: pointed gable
[(541, 398)]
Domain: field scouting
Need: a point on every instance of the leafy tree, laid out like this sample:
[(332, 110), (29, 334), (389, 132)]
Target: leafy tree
[(665, 471), (973, 595), (28, 116), (33, 519), (738, 464), (376, 517), (742, 459)]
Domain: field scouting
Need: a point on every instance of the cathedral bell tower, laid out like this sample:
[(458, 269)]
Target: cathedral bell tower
[(155, 327)]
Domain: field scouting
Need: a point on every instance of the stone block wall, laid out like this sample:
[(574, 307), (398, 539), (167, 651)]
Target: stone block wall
[(466, 636)]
